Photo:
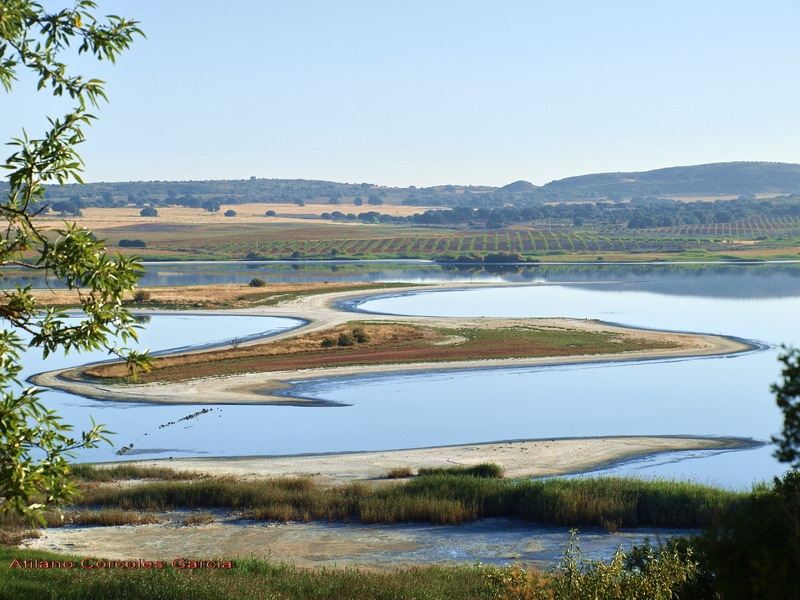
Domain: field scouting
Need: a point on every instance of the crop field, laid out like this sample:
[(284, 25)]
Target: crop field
[(192, 234), (329, 241), (758, 227)]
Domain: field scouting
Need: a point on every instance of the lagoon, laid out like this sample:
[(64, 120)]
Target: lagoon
[(709, 396)]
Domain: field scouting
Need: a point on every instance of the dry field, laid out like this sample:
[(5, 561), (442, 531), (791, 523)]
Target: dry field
[(232, 295), (111, 218)]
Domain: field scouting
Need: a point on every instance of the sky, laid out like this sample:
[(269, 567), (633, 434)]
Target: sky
[(430, 92)]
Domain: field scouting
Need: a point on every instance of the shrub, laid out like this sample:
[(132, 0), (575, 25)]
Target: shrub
[(270, 213), (256, 282), (199, 519), (399, 473), (140, 296), (132, 244), (148, 211), (345, 339), (755, 550), (328, 342), (230, 213), (487, 470), (653, 574), (360, 335)]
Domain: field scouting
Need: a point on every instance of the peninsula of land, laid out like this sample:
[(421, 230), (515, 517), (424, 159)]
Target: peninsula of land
[(259, 371)]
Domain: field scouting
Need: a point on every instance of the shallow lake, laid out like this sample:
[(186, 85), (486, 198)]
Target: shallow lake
[(717, 280), (726, 396)]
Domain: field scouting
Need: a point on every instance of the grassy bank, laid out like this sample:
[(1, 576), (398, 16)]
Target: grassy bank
[(248, 579), (438, 498)]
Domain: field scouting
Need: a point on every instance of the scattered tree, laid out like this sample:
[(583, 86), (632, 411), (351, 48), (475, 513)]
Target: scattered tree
[(257, 282), (211, 206), (132, 243), (230, 213), (148, 211), (66, 207)]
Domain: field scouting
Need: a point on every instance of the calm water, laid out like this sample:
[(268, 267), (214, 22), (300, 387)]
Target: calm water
[(710, 396), (716, 280)]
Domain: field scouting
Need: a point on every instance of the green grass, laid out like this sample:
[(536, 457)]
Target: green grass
[(88, 472), (249, 579)]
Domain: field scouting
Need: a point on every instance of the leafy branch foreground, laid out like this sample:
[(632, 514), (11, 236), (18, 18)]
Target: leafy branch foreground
[(34, 443)]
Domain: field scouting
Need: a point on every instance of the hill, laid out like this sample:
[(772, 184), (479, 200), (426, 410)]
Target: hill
[(747, 179), (716, 179)]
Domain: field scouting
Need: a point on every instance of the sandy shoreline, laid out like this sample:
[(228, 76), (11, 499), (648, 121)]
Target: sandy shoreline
[(519, 458), (324, 311)]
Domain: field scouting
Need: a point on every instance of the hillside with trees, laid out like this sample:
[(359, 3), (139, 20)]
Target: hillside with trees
[(733, 179)]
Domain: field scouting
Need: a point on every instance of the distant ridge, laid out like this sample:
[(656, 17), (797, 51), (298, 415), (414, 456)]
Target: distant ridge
[(723, 179), (518, 186), (747, 179)]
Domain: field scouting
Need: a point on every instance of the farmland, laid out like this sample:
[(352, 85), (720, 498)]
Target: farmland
[(638, 229), (181, 239)]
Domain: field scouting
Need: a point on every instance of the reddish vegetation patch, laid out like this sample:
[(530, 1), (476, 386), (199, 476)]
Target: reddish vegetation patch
[(387, 343)]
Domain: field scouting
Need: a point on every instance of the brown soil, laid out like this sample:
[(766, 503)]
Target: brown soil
[(387, 343), (208, 296)]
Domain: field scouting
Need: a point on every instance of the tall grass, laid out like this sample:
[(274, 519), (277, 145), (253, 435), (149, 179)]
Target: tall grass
[(481, 470), (88, 472), (623, 502)]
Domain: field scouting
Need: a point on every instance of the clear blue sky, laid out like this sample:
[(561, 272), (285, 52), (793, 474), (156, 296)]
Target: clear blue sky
[(432, 92)]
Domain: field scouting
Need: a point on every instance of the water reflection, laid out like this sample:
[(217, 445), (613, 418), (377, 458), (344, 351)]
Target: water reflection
[(734, 280)]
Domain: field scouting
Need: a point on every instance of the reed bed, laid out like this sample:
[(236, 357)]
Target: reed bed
[(88, 472), (439, 499), (481, 470)]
